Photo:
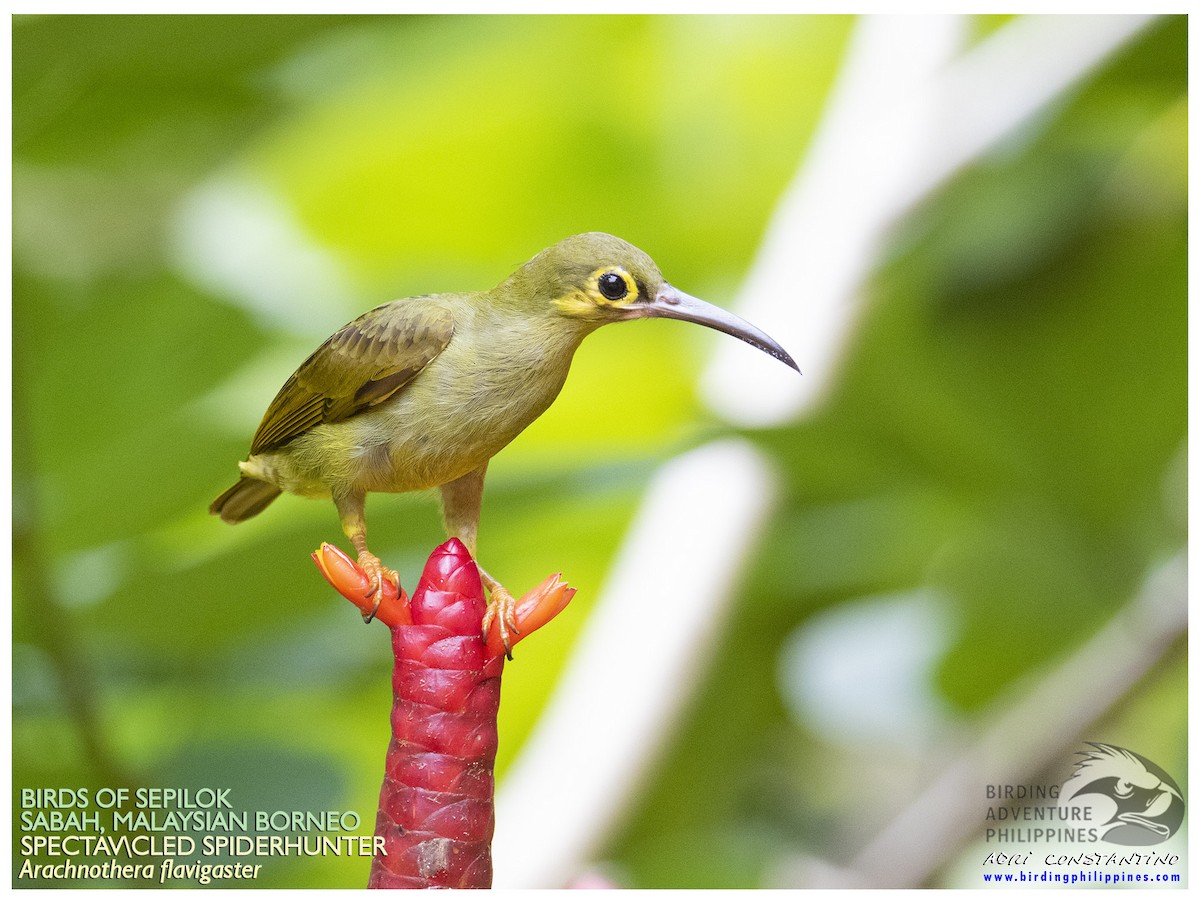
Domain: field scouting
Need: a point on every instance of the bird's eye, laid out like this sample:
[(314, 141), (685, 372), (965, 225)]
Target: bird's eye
[(612, 286)]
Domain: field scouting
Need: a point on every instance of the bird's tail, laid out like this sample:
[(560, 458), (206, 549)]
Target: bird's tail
[(244, 500)]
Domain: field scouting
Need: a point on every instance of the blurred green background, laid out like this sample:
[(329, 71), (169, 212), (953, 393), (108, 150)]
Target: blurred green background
[(198, 201)]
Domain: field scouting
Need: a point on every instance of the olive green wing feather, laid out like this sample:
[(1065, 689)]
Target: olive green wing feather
[(360, 366)]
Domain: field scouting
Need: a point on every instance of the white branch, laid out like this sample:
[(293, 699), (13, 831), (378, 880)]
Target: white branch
[(644, 647), (903, 120)]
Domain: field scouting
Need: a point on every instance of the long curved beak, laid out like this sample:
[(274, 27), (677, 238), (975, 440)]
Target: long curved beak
[(671, 303)]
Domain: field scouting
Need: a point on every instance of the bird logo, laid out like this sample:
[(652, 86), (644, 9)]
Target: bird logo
[(1136, 803)]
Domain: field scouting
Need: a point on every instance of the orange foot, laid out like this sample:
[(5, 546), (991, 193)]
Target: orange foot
[(376, 571), (501, 609)]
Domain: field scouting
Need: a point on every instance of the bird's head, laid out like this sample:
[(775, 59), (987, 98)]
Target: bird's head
[(595, 279)]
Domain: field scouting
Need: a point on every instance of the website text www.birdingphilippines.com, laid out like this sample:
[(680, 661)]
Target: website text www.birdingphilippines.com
[(1034, 878), (1084, 868)]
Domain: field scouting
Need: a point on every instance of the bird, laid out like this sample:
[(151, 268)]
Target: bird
[(422, 392)]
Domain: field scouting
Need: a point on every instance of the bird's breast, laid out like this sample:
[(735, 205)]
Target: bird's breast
[(465, 407)]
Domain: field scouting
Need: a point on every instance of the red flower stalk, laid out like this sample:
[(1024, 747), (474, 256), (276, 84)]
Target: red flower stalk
[(436, 813)]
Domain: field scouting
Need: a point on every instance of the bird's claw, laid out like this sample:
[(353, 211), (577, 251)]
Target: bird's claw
[(368, 618), (377, 571), (501, 609)]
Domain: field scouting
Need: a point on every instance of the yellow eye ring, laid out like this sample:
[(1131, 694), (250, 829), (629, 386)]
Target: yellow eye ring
[(614, 285)]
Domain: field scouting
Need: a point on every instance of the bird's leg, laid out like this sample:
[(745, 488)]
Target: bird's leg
[(501, 608), (352, 511), (462, 502)]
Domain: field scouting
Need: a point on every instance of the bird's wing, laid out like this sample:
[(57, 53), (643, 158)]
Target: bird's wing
[(358, 367)]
